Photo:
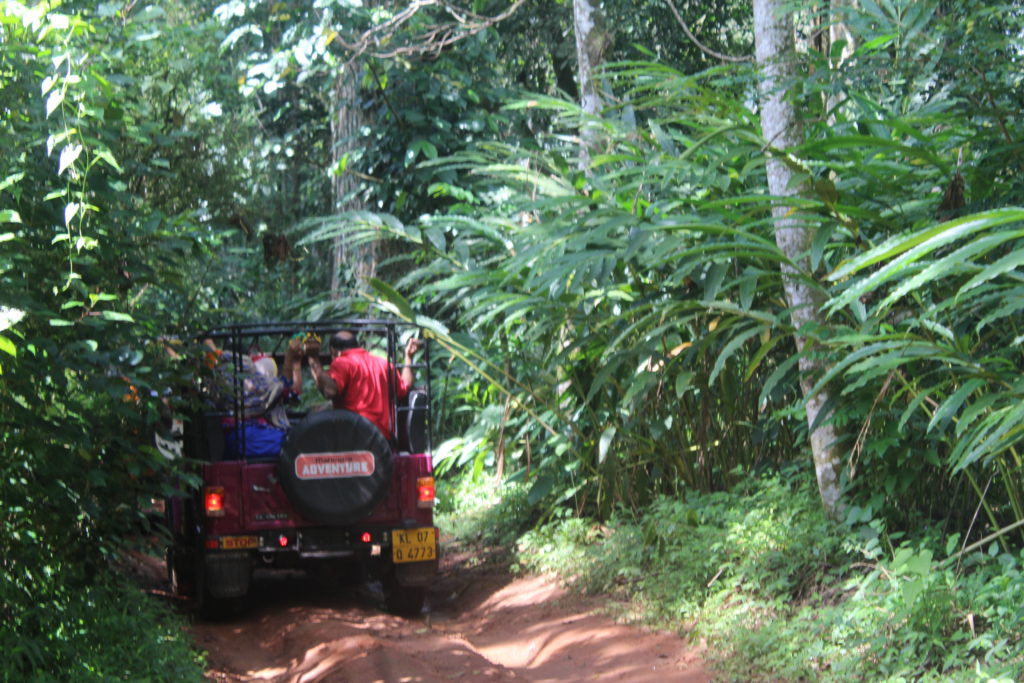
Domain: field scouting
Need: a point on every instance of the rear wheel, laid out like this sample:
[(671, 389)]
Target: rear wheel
[(209, 606), (406, 601), (181, 571)]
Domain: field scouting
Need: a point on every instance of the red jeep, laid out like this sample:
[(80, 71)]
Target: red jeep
[(332, 495)]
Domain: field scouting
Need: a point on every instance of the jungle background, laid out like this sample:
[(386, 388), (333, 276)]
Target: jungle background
[(580, 204)]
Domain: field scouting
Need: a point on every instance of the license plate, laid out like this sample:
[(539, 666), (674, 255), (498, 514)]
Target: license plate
[(413, 545), (239, 542)]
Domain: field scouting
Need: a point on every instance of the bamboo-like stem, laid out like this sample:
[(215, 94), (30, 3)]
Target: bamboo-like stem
[(999, 533), (989, 512)]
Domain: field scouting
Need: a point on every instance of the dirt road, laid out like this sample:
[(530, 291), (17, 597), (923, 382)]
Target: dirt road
[(481, 625)]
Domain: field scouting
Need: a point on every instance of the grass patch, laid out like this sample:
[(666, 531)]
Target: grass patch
[(775, 590), (481, 512), (73, 628)]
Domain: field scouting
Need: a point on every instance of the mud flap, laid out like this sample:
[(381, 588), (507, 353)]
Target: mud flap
[(227, 575), (181, 571), (415, 573)]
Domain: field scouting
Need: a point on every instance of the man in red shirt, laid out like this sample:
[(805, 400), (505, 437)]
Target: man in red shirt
[(358, 380)]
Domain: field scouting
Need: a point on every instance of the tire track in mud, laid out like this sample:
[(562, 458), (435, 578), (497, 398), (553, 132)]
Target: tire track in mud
[(482, 624)]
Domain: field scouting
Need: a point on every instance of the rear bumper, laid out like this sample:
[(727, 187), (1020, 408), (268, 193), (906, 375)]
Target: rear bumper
[(314, 543), (416, 573), (227, 574)]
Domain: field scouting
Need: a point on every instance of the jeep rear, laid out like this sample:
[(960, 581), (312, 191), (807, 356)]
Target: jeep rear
[(339, 499)]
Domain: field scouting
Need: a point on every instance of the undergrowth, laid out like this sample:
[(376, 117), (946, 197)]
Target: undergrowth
[(96, 630), (482, 512), (775, 590)]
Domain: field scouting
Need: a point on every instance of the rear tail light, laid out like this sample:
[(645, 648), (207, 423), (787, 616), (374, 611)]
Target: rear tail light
[(213, 501), (425, 492)]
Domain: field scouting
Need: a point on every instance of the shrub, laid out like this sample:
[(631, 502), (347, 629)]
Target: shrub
[(71, 630), (479, 512), (780, 593)]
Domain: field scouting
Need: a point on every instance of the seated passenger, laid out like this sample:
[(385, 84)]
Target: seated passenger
[(254, 389), (291, 373)]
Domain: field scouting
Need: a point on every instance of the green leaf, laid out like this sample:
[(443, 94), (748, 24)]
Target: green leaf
[(436, 238), (542, 486), (714, 278), (876, 43), (734, 344), (424, 147), (391, 295), (607, 436), (68, 156), (70, 211), (913, 406), (545, 185), (1004, 265), (7, 346), (976, 409), (934, 237), (748, 287), (666, 143), (760, 355), (821, 238), (867, 142), (11, 180), (997, 432), (781, 371), (117, 317), (902, 252), (951, 264), (108, 157), (683, 383), (54, 100), (952, 404), (920, 563)]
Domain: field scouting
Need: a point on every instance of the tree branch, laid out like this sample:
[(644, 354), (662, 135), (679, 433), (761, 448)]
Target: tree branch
[(432, 40), (707, 50)]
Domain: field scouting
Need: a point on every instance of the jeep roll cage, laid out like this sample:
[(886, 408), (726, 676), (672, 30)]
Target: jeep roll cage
[(244, 338)]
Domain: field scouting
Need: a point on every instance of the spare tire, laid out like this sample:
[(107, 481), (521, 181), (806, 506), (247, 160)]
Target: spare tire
[(335, 467)]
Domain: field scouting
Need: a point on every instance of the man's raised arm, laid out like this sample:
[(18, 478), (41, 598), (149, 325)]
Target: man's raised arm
[(411, 347), (324, 383)]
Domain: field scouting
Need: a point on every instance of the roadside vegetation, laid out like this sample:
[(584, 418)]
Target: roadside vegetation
[(768, 586), (94, 629)]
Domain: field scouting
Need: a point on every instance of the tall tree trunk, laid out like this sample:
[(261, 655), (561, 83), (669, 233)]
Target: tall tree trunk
[(361, 259), (773, 38), (839, 30), (592, 40)]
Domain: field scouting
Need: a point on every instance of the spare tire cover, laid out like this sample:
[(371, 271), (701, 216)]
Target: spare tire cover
[(335, 467)]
